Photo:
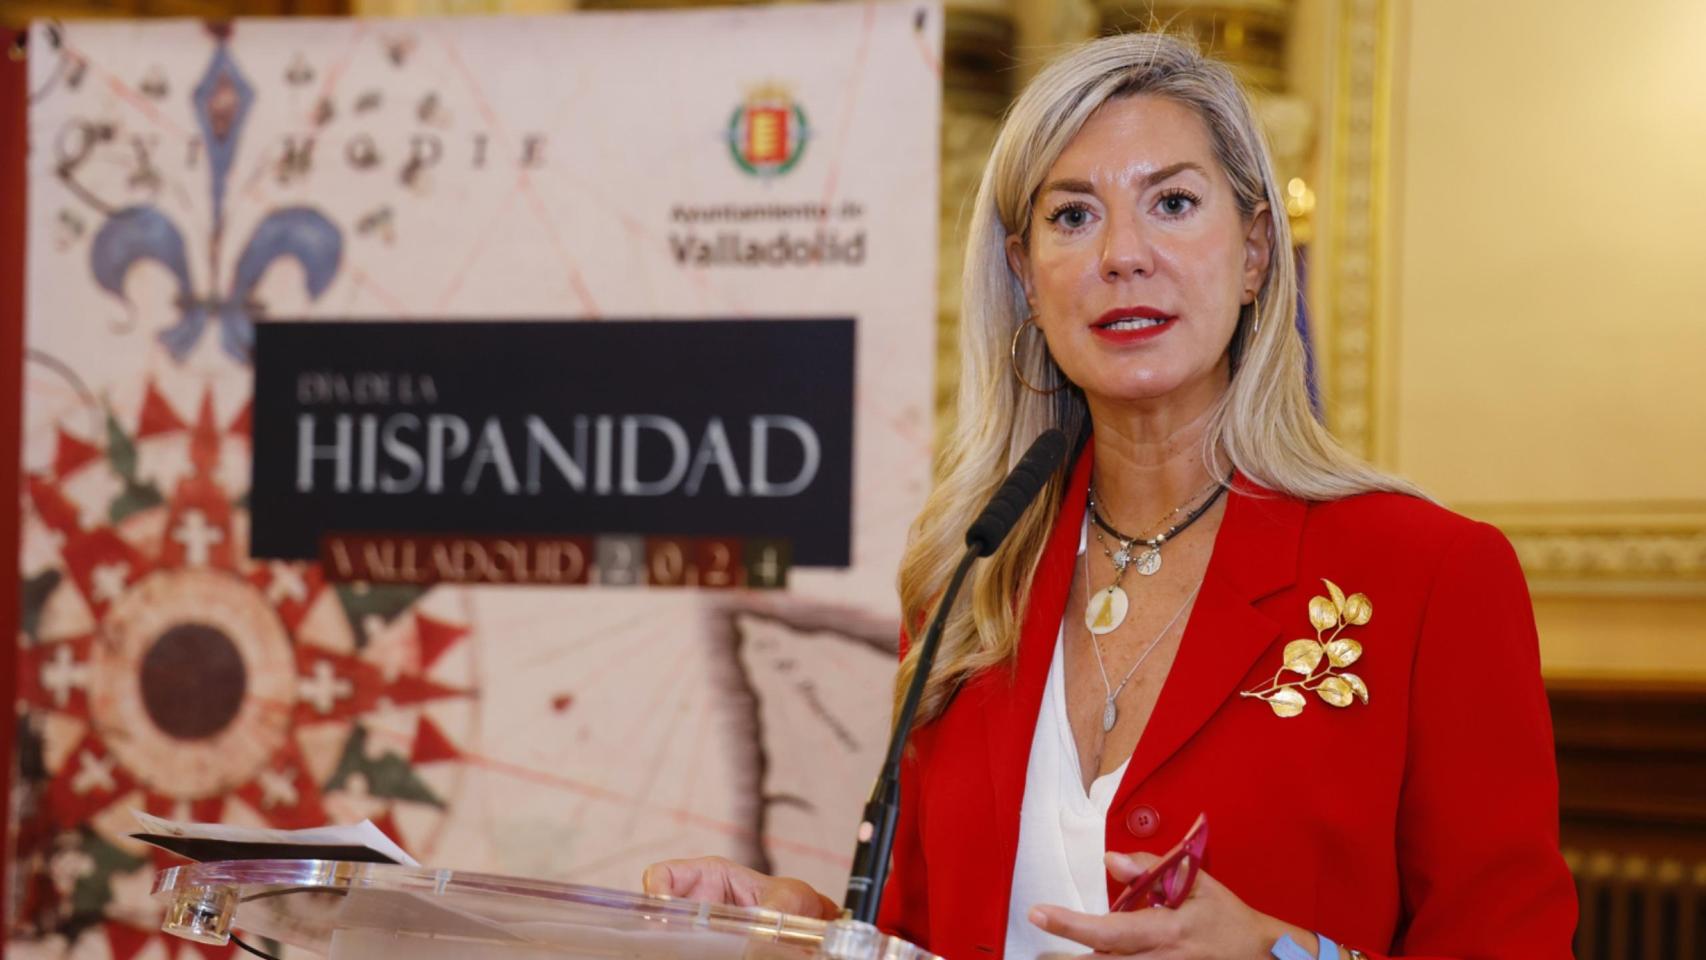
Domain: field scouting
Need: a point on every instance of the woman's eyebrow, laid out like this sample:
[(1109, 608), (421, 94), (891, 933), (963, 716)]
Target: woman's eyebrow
[(1172, 170), (1073, 185), (1067, 186)]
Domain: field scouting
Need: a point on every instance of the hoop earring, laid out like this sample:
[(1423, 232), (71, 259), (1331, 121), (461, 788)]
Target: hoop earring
[(1255, 313), (1013, 353)]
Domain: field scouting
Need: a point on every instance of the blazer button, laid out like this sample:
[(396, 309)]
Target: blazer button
[(1143, 821)]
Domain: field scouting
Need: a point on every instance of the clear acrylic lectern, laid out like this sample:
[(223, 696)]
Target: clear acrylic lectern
[(367, 911)]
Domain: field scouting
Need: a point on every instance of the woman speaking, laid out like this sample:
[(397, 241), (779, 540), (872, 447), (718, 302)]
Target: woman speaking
[(1211, 610)]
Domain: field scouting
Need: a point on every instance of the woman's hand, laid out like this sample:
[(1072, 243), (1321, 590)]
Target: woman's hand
[(716, 880), (1211, 923)]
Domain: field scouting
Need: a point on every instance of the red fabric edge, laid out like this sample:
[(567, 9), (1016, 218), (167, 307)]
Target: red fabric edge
[(13, 131)]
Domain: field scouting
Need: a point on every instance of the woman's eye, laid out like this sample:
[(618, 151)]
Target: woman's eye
[(1176, 204), (1072, 216)]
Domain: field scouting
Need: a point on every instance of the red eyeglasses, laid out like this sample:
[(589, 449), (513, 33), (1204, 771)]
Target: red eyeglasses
[(1169, 882)]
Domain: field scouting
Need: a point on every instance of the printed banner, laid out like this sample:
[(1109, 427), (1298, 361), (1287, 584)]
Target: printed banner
[(708, 428), (684, 262)]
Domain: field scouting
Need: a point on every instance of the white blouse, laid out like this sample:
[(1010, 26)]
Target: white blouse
[(1062, 832)]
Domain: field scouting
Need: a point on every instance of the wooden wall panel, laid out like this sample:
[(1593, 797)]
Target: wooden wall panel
[(1631, 766)]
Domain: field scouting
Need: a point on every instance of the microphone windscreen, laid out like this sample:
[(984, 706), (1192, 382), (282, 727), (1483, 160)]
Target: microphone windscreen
[(1017, 491)]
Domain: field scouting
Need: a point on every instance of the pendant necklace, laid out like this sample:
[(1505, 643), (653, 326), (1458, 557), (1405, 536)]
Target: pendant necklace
[(1149, 561), (1106, 609), (1110, 710)]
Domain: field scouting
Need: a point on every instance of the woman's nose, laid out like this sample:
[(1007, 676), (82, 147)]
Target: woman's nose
[(1126, 250)]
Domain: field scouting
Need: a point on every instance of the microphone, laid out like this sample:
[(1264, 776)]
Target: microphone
[(876, 832), (1017, 492)]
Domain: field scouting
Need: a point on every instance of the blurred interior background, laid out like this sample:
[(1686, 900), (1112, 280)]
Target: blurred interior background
[(1499, 209)]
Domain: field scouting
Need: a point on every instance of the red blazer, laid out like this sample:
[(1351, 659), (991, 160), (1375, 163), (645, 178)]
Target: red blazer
[(1424, 823)]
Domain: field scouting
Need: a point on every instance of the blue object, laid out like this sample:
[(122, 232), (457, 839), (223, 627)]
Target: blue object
[(1285, 948)]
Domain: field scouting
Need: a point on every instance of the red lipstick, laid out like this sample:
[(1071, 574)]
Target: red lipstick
[(1124, 325)]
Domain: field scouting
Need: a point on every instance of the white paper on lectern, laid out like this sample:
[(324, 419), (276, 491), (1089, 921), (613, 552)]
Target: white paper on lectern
[(363, 834)]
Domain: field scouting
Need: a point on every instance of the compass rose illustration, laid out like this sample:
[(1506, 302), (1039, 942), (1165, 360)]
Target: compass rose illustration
[(162, 669)]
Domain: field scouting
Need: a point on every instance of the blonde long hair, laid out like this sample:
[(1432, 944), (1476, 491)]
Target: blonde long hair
[(1263, 424)]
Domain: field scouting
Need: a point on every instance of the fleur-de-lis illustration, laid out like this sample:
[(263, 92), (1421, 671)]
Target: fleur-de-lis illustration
[(142, 232), (1320, 663)]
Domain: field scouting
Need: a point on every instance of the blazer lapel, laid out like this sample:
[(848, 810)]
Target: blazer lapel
[(1013, 698), (1255, 554)]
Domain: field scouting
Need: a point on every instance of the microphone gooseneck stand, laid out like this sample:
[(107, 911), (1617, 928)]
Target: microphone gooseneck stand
[(876, 832)]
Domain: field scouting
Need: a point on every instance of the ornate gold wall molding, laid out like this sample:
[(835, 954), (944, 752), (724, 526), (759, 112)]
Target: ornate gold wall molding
[(1635, 548), (1355, 332)]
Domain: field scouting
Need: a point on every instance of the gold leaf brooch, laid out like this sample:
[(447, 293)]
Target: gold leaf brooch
[(1320, 662)]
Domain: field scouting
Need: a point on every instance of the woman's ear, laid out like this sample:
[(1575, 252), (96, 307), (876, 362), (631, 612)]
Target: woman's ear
[(1019, 261), (1258, 247)]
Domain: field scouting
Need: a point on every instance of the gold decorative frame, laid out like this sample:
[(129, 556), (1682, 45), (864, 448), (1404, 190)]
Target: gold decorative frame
[(1637, 548), (1354, 366), (1650, 548)]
